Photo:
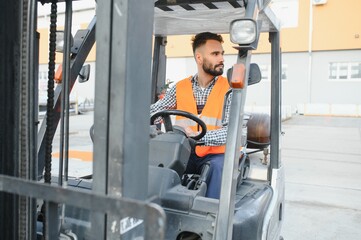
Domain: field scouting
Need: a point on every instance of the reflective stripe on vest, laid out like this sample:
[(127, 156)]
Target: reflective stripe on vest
[(217, 123), (211, 113)]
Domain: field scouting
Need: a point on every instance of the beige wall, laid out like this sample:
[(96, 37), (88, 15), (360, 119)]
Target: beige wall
[(180, 46), (91, 56), (296, 39), (44, 47), (336, 26)]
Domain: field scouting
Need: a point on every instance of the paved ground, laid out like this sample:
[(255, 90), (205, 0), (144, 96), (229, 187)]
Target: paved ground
[(322, 159), (79, 144)]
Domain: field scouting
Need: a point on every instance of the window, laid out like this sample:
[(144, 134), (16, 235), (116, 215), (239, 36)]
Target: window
[(333, 71), (343, 71), (349, 71), (284, 72), (43, 87), (43, 80), (356, 71), (266, 72)]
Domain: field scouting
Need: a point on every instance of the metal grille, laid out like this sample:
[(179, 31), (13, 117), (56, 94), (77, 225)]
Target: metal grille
[(189, 5), (183, 17)]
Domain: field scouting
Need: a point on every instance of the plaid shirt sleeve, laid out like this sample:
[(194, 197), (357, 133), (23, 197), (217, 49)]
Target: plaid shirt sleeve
[(218, 137), (168, 102)]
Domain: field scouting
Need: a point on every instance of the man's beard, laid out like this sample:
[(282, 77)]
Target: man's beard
[(208, 68)]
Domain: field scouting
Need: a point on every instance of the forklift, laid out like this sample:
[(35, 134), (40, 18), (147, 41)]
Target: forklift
[(138, 189)]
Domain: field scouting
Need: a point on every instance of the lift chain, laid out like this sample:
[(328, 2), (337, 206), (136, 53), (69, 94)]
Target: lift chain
[(50, 107), (24, 133), (50, 100)]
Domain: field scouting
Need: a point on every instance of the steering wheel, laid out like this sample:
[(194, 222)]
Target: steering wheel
[(165, 114)]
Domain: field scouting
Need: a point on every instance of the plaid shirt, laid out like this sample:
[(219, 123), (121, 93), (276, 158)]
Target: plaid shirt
[(213, 137)]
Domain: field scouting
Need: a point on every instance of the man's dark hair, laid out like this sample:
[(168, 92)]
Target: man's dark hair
[(201, 39)]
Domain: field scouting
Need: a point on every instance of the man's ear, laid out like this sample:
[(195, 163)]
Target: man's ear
[(198, 57)]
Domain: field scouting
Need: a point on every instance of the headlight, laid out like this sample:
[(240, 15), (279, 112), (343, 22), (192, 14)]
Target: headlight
[(243, 31), (60, 41)]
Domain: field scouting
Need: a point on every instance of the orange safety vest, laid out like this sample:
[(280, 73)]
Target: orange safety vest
[(211, 113)]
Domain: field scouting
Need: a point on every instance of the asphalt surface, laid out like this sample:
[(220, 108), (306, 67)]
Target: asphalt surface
[(322, 160)]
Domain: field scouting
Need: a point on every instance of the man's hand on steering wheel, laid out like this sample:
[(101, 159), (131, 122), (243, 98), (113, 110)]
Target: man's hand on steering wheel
[(165, 114), (188, 131)]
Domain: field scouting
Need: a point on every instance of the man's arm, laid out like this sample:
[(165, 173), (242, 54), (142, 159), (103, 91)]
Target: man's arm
[(168, 102)]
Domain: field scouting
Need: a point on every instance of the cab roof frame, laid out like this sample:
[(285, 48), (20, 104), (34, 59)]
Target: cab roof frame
[(177, 17)]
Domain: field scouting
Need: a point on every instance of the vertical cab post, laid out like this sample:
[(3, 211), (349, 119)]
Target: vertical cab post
[(159, 66), (224, 221), (276, 104)]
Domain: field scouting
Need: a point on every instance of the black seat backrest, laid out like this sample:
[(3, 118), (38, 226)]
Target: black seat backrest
[(171, 151)]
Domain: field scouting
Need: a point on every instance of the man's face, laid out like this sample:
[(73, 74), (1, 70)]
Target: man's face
[(212, 58)]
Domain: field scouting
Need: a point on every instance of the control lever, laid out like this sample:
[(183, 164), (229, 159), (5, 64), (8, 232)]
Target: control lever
[(203, 176)]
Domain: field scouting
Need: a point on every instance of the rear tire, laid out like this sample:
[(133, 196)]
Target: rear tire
[(188, 236)]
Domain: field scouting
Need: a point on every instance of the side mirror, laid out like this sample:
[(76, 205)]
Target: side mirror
[(254, 77), (91, 133), (84, 73)]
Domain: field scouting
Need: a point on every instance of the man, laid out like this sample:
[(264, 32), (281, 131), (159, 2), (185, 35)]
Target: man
[(203, 95)]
